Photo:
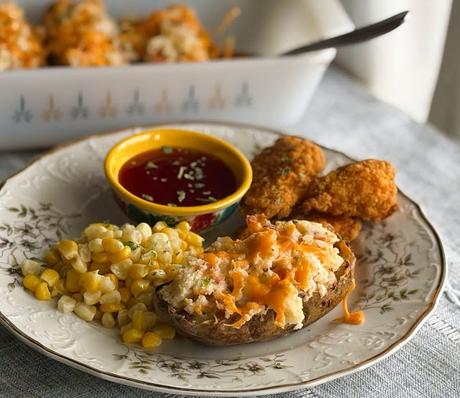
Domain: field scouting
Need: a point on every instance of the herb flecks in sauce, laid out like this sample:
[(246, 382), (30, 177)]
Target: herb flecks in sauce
[(177, 177)]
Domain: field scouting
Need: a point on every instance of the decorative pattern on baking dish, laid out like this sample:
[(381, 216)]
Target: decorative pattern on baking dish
[(400, 273), (49, 110)]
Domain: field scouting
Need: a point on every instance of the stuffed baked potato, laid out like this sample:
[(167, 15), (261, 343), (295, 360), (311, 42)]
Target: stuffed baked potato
[(280, 278)]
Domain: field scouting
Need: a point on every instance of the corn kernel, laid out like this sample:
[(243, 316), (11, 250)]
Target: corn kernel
[(146, 298), (90, 281), (136, 254), (138, 271), (178, 257), (108, 320), (136, 307), (72, 281), (122, 318), (50, 276), (159, 226), (132, 235), (66, 304), (113, 278), (107, 234), (121, 269), (52, 258), (112, 245), (95, 245), (117, 233), (166, 332), (125, 294), (68, 249), (30, 267), (91, 298), (144, 229), (183, 226), (194, 239), (58, 288), (94, 231), (157, 275), (139, 286), (78, 265), (150, 319), (138, 319), (111, 307), (84, 253), (125, 327), (31, 281), (113, 297), (100, 257), (84, 311), (106, 285), (151, 340), (42, 291), (131, 336), (120, 255)]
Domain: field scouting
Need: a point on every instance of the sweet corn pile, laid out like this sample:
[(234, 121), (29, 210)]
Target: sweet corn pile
[(110, 274)]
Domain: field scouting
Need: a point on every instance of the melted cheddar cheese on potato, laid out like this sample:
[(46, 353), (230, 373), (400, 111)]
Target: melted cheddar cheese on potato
[(273, 267)]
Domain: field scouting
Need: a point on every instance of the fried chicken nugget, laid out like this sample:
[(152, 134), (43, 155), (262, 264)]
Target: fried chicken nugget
[(347, 227), (281, 175), (365, 190)]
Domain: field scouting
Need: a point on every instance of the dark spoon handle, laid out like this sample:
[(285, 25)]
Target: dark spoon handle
[(356, 36)]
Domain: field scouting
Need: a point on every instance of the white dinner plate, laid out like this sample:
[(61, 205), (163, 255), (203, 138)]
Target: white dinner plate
[(400, 273)]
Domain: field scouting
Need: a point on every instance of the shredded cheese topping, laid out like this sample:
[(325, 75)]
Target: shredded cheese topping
[(275, 267)]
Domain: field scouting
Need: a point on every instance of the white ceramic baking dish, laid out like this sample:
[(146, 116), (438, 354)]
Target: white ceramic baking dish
[(46, 106)]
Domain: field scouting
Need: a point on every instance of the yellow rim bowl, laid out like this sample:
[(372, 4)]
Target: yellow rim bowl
[(152, 139)]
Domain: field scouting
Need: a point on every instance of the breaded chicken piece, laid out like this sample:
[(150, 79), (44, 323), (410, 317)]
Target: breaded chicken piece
[(347, 227), (365, 190), (281, 175)]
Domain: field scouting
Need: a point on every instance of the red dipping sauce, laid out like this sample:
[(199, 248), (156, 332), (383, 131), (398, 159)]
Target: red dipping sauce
[(174, 176)]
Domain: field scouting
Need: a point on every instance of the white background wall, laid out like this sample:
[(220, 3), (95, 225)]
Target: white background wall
[(401, 67)]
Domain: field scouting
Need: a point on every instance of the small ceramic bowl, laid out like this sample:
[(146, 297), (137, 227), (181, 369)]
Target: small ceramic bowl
[(202, 217)]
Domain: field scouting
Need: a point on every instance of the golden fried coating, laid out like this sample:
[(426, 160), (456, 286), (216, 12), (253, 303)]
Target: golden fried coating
[(281, 175), (365, 190), (347, 227)]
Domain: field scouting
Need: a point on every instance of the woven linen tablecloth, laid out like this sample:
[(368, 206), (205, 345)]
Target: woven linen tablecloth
[(345, 117)]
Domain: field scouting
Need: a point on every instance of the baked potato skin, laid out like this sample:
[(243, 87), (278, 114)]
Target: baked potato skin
[(260, 327)]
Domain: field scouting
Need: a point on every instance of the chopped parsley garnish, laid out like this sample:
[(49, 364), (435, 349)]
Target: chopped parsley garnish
[(286, 159), (206, 281), (147, 197), (180, 196), (285, 170), (166, 149), (181, 172), (132, 245), (151, 165), (208, 199)]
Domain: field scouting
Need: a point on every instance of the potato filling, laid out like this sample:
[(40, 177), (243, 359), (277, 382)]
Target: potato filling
[(273, 267)]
